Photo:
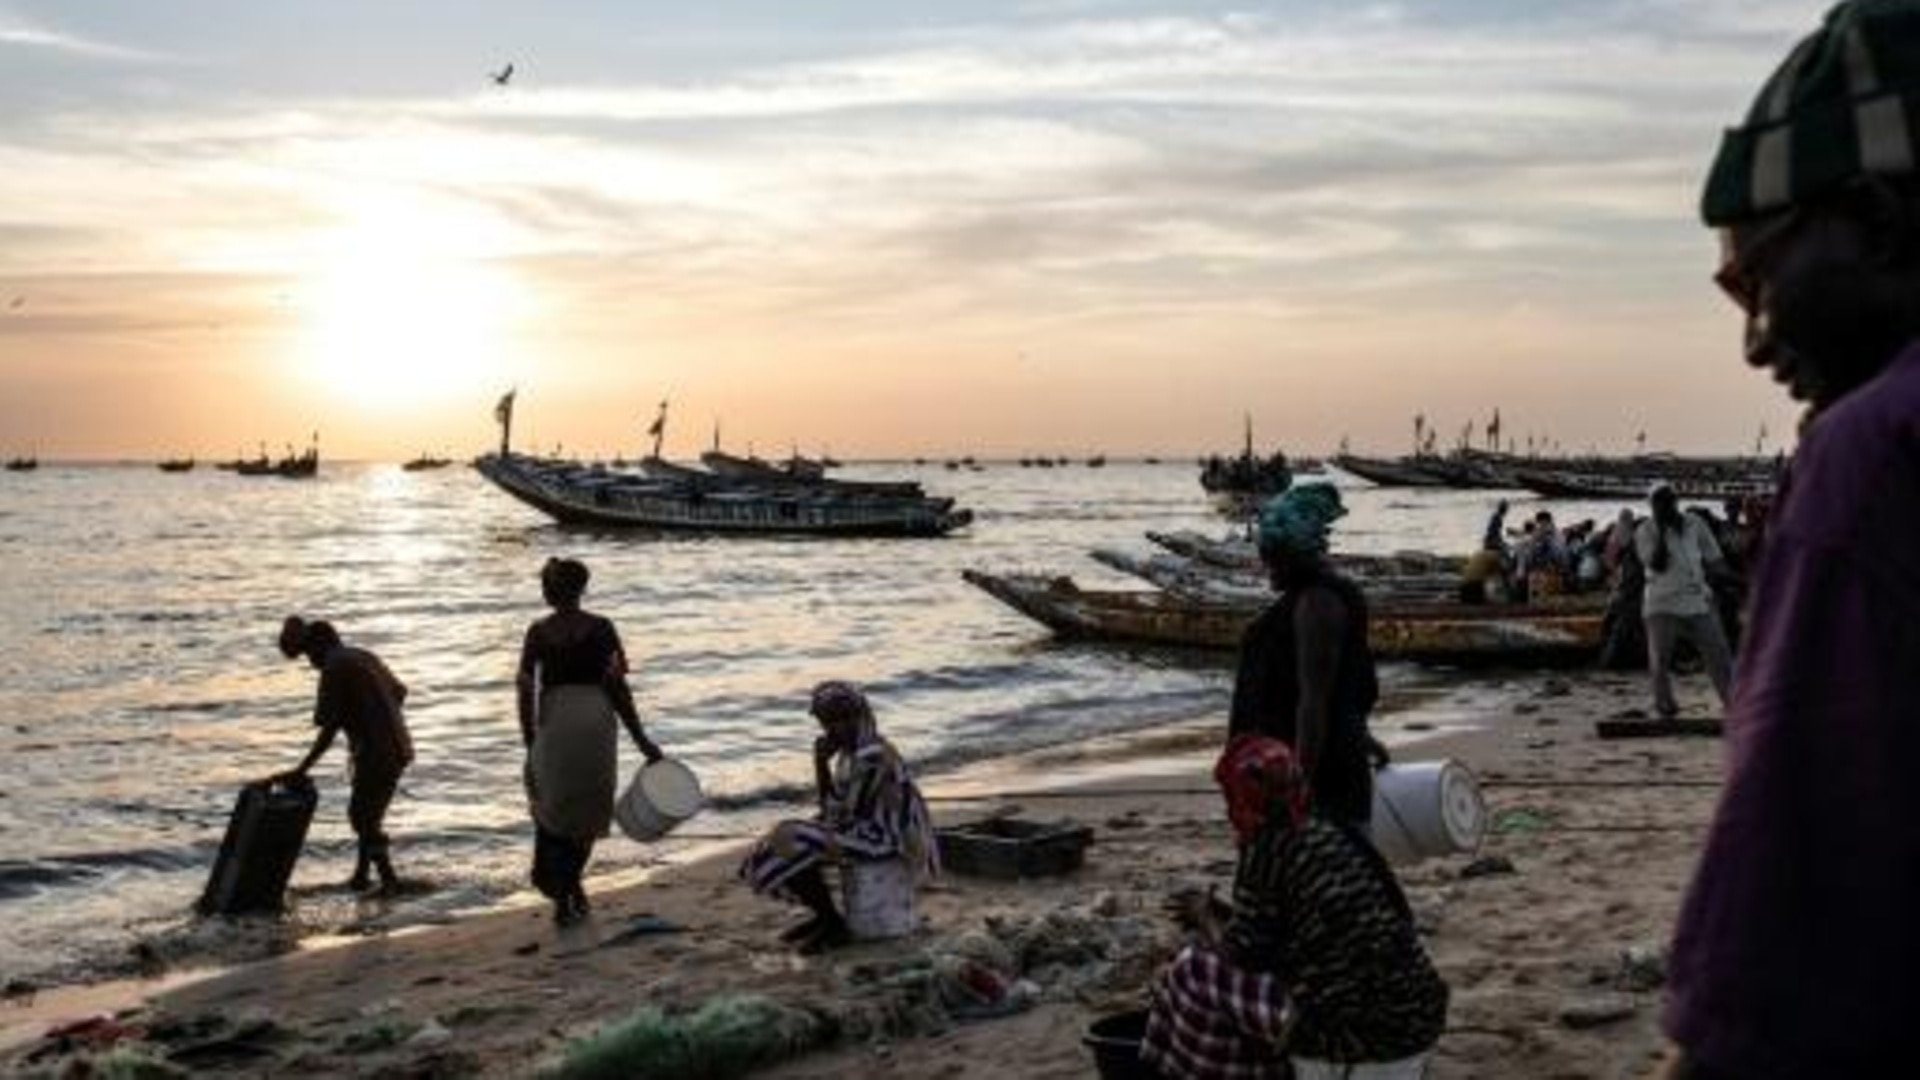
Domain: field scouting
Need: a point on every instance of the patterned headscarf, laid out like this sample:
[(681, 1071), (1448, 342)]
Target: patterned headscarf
[(838, 700), (1257, 773), (1298, 520)]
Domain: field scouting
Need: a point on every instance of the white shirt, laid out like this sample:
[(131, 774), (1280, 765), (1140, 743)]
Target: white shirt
[(1682, 588)]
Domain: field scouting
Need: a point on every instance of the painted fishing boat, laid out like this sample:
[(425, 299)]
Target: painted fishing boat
[(734, 467), (176, 465), (1241, 556), (1384, 580), (661, 469), (576, 494), (1441, 634), (1389, 472), (1624, 486)]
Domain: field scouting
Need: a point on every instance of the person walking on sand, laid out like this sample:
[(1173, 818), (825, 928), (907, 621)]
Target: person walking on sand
[(1306, 673), (1677, 552), (1797, 953), (360, 696), (870, 809), (572, 686)]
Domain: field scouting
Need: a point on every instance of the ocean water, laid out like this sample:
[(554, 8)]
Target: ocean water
[(140, 686)]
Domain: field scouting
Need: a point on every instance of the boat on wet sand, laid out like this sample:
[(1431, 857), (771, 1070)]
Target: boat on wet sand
[(1463, 635)]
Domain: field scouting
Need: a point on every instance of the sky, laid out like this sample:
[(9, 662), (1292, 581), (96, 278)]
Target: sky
[(870, 227)]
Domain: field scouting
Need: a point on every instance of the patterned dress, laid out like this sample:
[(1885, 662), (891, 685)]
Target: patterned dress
[(873, 811), (1321, 960)]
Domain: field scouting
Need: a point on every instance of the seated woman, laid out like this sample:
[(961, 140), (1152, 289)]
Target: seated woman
[(870, 809), (1317, 959)]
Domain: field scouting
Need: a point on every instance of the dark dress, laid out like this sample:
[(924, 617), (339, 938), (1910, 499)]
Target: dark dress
[(591, 658), (1266, 698)]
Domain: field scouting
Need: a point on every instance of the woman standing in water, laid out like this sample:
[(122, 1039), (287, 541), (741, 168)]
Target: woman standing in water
[(572, 684)]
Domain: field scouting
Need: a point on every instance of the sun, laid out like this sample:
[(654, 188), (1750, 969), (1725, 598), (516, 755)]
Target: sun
[(387, 325)]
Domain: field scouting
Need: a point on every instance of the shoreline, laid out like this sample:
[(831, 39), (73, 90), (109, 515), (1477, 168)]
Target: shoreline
[(1516, 965)]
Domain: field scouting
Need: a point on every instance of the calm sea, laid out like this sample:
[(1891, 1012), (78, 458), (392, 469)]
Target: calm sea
[(140, 686)]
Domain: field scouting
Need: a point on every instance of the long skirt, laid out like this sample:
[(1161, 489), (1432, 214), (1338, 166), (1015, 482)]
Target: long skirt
[(570, 770), (570, 784)]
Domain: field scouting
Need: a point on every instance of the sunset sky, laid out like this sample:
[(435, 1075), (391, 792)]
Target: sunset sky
[(879, 228)]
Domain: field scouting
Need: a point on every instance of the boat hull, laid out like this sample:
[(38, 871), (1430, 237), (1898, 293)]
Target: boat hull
[(578, 497), (1448, 635)]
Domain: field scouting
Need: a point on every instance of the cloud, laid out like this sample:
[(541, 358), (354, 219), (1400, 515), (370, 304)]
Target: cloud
[(28, 36)]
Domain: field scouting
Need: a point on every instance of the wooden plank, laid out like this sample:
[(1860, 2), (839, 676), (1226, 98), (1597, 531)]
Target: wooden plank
[(1656, 729)]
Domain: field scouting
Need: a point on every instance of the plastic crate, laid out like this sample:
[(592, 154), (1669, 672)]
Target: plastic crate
[(1011, 848)]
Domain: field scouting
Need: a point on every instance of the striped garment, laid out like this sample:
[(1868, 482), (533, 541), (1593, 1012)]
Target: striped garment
[(1843, 105), (1214, 1021), (874, 811), (1319, 917)]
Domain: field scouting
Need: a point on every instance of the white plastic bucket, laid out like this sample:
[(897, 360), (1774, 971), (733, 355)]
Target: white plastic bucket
[(880, 898), (1426, 810), (1413, 1068), (663, 794)]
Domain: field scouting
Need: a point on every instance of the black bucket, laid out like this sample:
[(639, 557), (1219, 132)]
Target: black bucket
[(1115, 1042)]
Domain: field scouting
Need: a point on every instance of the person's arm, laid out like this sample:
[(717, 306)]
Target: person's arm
[(1712, 558), (823, 750), (320, 744), (525, 686), (621, 694), (1319, 630)]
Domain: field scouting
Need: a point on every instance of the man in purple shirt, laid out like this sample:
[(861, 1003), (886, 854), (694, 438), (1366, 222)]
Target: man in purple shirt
[(1798, 949)]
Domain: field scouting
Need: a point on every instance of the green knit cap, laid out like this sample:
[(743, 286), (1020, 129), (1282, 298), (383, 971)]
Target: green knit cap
[(1299, 519), (1845, 104)]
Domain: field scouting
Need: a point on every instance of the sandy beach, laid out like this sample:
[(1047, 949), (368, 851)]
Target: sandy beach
[(1552, 943)]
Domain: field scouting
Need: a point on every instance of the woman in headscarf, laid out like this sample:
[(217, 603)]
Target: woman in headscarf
[(572, 686), (870, 809), (1317, 959), (1306, 672)]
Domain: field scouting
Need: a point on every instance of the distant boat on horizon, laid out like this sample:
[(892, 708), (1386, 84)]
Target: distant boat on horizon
[(177, 465), (23, 464), (425, 462)]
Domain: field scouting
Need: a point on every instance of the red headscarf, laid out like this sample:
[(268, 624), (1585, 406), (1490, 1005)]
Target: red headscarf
[(1256, 774)]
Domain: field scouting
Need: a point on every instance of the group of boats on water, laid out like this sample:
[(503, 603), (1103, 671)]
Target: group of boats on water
[(1589, 477), (1206, 592)]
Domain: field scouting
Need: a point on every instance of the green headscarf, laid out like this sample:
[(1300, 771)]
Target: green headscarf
[(1298, 521)]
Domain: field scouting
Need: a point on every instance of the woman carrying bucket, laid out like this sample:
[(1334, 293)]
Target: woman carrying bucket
[(870, 812), (572, 685), (1316, 963)]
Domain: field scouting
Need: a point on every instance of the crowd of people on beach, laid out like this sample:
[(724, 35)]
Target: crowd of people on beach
[(1795, 953)]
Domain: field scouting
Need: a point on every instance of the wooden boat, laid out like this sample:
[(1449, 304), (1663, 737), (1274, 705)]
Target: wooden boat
[(1246, 478), (1241, 556), (1384, 580), (177, 465), (426, 463), (22, 464), (1569, 484), (1389, 472), (1444, 634), (574, 494), (721, 463), (657, 468)]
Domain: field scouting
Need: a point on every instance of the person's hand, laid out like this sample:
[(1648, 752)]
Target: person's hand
[(651, 750), (824, 747), (1198, 912)]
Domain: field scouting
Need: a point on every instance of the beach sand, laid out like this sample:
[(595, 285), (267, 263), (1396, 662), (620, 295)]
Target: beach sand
[(1555, 966)]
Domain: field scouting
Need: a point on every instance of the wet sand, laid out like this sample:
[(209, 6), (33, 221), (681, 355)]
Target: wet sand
[(1554, 966)]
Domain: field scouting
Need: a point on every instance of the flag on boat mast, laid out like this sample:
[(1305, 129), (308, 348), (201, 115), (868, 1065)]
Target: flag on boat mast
[(659, 428), (503, 414)]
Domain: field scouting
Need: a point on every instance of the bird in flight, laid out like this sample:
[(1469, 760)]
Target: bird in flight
[(501, 77)]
